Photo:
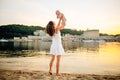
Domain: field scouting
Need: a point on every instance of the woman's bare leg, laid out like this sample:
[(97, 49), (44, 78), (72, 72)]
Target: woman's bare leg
[(51, 63), (58, 64)]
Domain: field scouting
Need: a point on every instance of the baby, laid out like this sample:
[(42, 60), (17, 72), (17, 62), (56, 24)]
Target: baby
[(59, 14)]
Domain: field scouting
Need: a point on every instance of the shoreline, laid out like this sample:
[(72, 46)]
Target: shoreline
[(40, 63), (42, 75)]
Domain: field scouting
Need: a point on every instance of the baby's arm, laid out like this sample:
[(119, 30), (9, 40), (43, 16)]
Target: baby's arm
[(63, 16)]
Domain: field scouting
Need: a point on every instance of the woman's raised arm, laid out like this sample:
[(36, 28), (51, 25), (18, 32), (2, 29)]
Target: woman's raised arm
[(63, 24)]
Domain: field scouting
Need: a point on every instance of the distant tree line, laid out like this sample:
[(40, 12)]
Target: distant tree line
[(71, 31), (16, 30), (102, 34)]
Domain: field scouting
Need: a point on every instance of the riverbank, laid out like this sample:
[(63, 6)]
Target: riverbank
[(69, 64), (41, 75)]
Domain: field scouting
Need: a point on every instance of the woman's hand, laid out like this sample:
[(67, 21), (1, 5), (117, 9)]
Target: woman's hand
[(62, 15)]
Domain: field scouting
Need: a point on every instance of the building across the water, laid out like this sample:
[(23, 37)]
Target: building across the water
[(91, 34)]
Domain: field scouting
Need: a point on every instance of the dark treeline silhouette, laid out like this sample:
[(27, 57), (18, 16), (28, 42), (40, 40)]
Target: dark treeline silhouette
[(17, 30), (71, 31), (103, 34)]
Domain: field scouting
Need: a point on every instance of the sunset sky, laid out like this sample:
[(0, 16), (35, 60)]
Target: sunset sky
[(80, 14)]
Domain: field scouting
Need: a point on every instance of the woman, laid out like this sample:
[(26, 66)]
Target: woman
[(56, 48)]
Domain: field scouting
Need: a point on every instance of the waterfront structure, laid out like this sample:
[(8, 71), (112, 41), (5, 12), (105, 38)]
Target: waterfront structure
[(39, 33), (118, 38), (3, 40), (16, 38), (91, 35), (71, 37), (34, 37), (108, 38)]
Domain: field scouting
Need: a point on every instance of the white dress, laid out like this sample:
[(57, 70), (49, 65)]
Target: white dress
[(56, 46)]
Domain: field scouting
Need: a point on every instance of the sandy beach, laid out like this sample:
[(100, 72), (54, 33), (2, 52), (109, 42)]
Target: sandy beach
[(36, 68), (41, 75)]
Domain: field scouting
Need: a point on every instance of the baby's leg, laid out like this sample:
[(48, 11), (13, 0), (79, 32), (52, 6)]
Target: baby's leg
[(64, 18)]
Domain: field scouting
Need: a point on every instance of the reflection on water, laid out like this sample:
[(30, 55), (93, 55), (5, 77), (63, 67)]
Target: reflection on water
[(69, 46), (34, 45), (38, 45), (44, 46), (101, 58)]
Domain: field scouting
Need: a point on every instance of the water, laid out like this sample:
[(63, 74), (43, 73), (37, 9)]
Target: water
[(95, 58), (38, 45)]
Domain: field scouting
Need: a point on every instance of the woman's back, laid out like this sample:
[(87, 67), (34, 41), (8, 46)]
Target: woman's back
[(56, 38), (56, 46)]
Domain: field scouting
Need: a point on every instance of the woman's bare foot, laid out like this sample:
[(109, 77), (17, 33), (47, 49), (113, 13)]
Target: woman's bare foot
[(57, 74), (50, 72)]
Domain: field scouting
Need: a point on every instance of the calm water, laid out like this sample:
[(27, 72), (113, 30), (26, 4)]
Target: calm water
[(38, 45), (98, 58)]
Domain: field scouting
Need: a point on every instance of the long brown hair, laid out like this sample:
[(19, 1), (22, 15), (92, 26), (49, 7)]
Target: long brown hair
[(50, 28)]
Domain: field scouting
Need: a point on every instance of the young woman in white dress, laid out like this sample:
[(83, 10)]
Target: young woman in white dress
[(56, 48)]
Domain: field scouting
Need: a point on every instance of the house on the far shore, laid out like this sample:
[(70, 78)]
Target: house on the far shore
[(91, 35), (40, 35)]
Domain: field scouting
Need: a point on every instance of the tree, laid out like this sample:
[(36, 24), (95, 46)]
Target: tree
[(10, 31)]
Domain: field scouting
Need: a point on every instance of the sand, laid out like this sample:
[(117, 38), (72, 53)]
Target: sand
[(42, 75), (35, 68)]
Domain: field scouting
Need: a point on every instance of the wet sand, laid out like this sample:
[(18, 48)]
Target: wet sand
[(42, 75), (69, 64), (36, 68)]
